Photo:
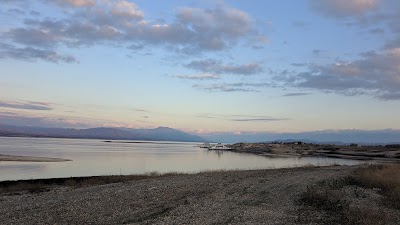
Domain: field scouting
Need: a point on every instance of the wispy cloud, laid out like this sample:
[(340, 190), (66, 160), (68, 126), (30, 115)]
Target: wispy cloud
[(223, 88), (378, 31), (33, 54), (234, 87), (296, 94), (317, 52), (141, 110), (217, 67), (299, 64), (205, 76), (253, 118), (258, 120), (17, 11), (26, 105), (341, 8), (7, 113), (241, 118), (13, 1)]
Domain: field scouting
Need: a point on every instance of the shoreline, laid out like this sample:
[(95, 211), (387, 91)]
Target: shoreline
[(16, 158), (299, 149)]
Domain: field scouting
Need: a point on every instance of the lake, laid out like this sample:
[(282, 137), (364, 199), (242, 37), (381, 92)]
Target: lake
[(96, 157)]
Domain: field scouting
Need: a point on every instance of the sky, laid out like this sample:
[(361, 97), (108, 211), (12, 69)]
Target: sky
[(202, 66)]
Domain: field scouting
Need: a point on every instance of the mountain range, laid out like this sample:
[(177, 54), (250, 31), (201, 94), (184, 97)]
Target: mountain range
[(369, 137), (156, 134)]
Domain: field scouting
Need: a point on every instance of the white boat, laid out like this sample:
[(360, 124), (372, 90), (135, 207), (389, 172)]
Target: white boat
[(219, 146), (205, 145)]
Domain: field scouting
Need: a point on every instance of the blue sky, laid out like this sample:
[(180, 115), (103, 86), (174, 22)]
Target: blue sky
[(201, 66)]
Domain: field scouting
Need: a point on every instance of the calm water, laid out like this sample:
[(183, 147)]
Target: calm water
[(96, 157)]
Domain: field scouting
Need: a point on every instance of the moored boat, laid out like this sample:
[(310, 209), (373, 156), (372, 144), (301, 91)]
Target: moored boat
[(205, 145), (219, 146)]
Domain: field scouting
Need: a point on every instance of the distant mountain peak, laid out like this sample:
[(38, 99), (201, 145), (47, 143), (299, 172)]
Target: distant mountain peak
[(157, 134), (165, 128)]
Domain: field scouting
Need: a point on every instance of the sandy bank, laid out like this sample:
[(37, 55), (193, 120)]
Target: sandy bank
[(30, 159)]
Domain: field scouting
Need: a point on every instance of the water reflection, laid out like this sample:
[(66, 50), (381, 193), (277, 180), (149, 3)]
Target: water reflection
[(96, 157), (14, 170), (12, 166), (218, 153)]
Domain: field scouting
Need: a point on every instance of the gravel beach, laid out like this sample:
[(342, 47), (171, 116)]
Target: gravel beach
[(227, 197)]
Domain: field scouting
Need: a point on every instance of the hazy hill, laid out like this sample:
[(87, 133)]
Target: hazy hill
[(386, 136), (164, 134), (157, 134)]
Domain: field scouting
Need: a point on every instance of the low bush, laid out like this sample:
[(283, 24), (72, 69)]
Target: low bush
[(331, 196)]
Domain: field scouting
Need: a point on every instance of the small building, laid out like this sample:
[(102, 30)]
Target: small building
[(355, 145)]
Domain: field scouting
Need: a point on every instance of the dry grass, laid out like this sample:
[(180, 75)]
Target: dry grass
[(325, 196), (385, 179), (348, 200), (340, 209)]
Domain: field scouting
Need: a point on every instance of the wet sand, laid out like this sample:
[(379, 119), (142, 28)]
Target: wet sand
[(30, 159)]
